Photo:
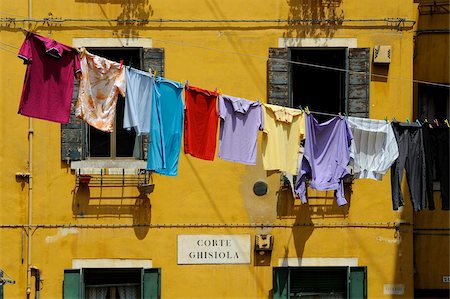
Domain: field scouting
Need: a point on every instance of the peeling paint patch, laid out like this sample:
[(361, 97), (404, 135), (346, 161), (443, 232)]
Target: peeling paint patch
[(388, 240), (62, 232)]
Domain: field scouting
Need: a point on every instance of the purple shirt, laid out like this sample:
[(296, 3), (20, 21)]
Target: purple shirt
[(48, 87), (327, 154), (240, 121)]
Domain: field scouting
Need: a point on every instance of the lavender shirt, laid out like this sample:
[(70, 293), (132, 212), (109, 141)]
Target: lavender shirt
[(240, 121), (327, 153)]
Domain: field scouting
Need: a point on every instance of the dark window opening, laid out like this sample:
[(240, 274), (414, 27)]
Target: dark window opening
[(121, 142), (321, 89), (112, 283), (433, 102), (307, 282)]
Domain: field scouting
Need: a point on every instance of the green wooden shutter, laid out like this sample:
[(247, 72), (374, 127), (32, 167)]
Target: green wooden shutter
[(280, 283), (278, 77), (357, 282), (73, 284), (72, 133), (151, 283), (358, 79), (151, 58)]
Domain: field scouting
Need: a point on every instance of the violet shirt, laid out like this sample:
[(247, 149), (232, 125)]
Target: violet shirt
[(240, 121), (327, 154), (48, 87)]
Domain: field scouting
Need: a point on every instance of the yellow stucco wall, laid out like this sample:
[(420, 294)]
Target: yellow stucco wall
[(232, 57)]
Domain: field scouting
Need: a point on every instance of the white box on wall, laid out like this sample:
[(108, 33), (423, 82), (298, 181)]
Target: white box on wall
[(382, 54)]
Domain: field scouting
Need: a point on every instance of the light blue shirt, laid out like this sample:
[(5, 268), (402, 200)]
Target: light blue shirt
[(166, 127), (141, 90)]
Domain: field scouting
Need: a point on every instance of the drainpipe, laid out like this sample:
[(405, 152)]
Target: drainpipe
[(30, 185)]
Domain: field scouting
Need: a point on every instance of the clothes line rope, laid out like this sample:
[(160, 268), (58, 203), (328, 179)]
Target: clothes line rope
[(220, 225), (264, 57)]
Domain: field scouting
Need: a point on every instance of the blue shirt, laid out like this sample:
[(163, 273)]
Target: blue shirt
[(166, 127), (138, 101)]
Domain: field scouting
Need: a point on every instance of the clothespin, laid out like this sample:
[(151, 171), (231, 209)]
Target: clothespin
[(436, 122), (154, 73), (385, 119), (446, 122), (417, 121), (219, 91), (407, 120), (307, 110), (300, 107), (121, 64)]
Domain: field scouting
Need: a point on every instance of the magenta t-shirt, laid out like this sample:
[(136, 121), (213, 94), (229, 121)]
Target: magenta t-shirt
[(48, 87)]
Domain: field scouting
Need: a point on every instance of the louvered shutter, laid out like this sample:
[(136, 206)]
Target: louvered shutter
[(357, 282), (73, 284), (151, 283), (278, 77), (72, 145), (358, 103), (152, 58)]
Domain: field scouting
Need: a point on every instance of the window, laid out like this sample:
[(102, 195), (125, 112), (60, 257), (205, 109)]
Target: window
[(319, 282), (121, 142), (80, 141), (433, 102), (112, 283), (323, 90)]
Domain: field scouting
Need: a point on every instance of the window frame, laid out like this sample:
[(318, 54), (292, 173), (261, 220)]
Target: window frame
[(74, 286), (354, 274), (74, 135)]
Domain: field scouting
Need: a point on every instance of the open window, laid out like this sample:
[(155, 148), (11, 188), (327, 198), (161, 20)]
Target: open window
[(81, 142), (338, 82), (319, 282), (116, 283)]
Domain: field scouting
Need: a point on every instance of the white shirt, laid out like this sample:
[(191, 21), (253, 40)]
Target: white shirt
[(373, 149)]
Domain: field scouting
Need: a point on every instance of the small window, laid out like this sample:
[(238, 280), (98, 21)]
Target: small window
[(327, 80), (79, 141), (319, 282), (121, 142), (112, 283)]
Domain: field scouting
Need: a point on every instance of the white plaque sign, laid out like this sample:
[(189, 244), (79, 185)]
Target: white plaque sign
[(213, 249), (394, 289)]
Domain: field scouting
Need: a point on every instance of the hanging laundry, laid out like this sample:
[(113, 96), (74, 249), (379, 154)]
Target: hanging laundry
[(283, 129), (412, 158), (101, 82), (141, 90), (436, 149), (240, 121), (200, 122), (373, 149), (48, 86), (166, 127), (326, 156)]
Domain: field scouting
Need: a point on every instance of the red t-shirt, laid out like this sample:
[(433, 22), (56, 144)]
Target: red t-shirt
[(48, 87), (200, 122)]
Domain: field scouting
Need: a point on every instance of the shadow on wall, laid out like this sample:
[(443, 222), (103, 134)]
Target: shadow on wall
[(321, 205), (138, 208), (313, 10), (131, 10)]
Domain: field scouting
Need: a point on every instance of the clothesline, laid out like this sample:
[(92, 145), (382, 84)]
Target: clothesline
[(264, 57)]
